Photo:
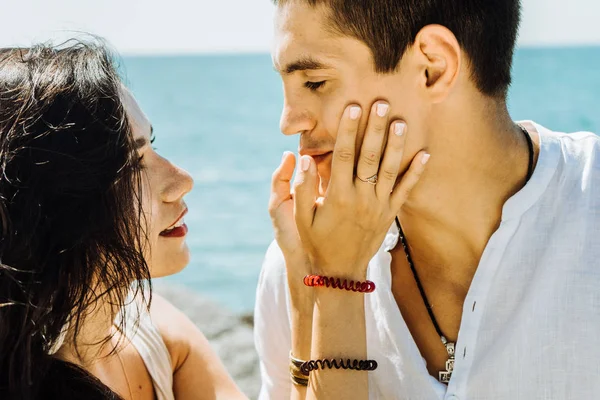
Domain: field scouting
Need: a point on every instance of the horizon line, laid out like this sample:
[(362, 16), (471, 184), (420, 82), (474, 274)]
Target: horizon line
[(242, 52)]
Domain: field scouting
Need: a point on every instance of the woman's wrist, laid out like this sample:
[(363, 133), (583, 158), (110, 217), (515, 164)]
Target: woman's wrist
[(338, 320), (352, 271)]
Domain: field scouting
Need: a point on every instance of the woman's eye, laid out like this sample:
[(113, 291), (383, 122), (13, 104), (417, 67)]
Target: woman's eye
[(141, 157), (314, 85)]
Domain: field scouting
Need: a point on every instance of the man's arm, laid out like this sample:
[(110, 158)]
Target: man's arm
[(198, 373)]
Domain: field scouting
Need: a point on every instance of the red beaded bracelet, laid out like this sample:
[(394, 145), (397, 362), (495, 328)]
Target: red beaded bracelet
[(337, 283)]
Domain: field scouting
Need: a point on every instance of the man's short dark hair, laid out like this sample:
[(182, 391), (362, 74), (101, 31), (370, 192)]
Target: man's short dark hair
[(485, 29)]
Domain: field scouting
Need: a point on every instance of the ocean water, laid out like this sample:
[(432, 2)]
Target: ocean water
[(218, 117)]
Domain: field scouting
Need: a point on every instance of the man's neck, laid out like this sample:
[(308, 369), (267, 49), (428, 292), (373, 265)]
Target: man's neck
[(478, 162)]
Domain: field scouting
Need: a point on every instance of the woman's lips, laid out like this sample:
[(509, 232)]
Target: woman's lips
[(178, 232), (178, 229)]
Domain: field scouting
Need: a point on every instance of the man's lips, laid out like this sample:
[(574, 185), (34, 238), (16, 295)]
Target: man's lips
[(323, 157), (318, 155)]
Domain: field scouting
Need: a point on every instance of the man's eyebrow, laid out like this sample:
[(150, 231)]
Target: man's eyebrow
[(303, 64)]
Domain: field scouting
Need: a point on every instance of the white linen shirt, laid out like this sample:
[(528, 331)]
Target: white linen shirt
[(531, 318)]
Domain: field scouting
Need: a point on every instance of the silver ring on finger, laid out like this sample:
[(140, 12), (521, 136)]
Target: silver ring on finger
[(371, 180)]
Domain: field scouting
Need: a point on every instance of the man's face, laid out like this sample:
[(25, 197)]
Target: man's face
[(323, 73)]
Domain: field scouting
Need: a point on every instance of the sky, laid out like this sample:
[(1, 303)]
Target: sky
[(200, 26)]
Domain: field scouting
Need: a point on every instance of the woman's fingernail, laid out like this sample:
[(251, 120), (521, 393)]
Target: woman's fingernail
[(305, 163), (400, 128), (425, 158), (285, 153), (382, 109), (354, 112)]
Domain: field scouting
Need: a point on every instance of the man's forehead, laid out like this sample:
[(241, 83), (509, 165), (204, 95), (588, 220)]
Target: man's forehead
[(300, 36), (293, 15), (304, 40), (290, 55), (296, 51), (287, 64)]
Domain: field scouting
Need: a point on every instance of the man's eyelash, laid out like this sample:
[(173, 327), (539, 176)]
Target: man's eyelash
[(314, 85)]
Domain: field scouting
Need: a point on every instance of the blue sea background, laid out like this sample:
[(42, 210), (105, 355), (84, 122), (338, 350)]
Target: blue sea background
[(217, 116)]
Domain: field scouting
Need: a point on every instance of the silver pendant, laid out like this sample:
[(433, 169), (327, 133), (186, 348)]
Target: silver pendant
[(444, 376)]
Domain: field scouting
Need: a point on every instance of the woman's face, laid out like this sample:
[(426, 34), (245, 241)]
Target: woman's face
[(163, 187)]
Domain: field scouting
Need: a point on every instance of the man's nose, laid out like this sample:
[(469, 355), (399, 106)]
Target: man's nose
[(295, 119)]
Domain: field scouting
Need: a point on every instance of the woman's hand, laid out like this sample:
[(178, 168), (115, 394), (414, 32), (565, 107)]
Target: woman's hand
[(342, 231), (336, 236)]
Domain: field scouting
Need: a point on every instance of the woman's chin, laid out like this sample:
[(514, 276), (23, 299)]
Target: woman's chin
[(170, 263)]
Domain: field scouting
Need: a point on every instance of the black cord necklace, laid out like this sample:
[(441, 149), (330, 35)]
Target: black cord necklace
[(444, 376)]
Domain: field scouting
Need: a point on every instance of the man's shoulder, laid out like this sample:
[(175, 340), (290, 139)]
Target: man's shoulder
[(570, 170), (580, 146), (576, 154)]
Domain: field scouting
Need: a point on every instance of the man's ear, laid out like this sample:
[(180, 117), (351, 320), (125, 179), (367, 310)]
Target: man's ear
[(439, 56)]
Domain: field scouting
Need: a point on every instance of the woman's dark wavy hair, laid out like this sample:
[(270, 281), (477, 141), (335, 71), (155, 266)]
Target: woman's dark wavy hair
[(70, 210)]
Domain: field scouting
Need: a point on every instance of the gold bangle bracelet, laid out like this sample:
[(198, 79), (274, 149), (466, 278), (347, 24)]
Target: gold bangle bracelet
[(296, 362), (299, 381), (296, 375)]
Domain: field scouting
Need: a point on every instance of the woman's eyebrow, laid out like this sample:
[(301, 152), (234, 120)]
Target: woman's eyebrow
[(140, 142)]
